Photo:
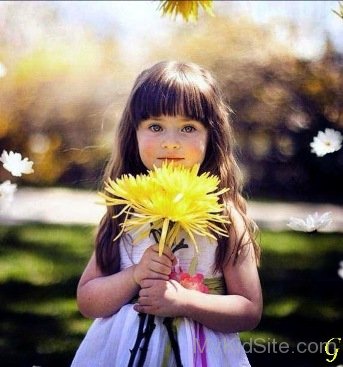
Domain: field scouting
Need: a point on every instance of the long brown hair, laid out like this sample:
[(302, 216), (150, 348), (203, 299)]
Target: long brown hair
[(175, 89)]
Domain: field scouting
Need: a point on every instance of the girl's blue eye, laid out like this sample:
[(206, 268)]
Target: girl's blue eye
[(188, 129), (155, 128)]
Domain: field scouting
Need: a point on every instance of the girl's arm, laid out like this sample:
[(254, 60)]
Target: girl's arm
[(100, 295), (240, 310)]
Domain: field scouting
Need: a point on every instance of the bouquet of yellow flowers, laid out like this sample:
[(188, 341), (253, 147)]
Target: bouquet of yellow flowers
[(170, 198)]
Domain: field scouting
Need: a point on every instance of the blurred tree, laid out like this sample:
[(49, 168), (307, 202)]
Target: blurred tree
[(56, 94), (288, 103)]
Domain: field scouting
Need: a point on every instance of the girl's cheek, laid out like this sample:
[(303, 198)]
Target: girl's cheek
[(148, 145), (147, 151)]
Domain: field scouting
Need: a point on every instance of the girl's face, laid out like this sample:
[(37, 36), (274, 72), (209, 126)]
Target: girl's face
[(171, 138)]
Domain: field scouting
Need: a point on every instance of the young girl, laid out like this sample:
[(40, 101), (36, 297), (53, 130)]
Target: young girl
[(175, 112)]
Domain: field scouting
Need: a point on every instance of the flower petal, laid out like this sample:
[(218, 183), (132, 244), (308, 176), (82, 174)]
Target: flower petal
[(14, 163)]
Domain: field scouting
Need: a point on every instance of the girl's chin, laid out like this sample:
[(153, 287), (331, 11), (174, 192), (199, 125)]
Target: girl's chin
[(176, 162)]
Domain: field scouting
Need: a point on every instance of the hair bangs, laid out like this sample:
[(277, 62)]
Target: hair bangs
[(171, 98)]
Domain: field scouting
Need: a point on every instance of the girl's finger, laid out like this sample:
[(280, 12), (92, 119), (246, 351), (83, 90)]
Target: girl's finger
[(166, 251), (143, 292), (143, 301), (154, 275), (138, 308), (160, 268), (143, 309), (146, 283), (163, 260), (174, 262)]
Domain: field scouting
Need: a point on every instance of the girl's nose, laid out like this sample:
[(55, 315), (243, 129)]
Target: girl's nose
[(170, 143)]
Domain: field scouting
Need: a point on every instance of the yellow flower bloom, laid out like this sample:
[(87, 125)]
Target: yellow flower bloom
[(171, 198), (188, 9), (340, 11)]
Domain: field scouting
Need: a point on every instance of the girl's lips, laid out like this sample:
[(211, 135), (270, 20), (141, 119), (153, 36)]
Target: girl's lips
[(171, 158)]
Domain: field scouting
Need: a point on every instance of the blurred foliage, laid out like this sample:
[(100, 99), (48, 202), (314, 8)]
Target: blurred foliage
[(56, 95), (65, 88), (41, 265)]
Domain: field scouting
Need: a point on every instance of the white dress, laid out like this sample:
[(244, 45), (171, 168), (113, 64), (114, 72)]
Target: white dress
[(109, 340)]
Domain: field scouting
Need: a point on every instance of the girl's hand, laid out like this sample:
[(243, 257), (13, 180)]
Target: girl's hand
[(153, 266), (162, 298)]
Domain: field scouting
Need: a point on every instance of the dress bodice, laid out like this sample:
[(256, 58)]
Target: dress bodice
[(131, 253)]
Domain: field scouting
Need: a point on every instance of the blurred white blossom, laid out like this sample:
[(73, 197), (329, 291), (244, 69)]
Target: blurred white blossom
[(311, 223), (340, 269), (7, 190), (3, 70), (14, 163), (326, 142)]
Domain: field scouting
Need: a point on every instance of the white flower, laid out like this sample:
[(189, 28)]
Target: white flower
[(340, 269), (7, 191), (3, 70), (326, 142), (14, 163), (311, 223)]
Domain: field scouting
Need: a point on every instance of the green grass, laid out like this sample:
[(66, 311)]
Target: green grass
[(41, 265), (302, 295)]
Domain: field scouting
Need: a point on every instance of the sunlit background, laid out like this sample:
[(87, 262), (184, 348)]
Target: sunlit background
[(66, 68)]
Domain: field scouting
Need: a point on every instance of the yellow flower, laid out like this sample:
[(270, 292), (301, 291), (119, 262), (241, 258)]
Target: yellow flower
[(188, 9), (340, 11), (170, 198)]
